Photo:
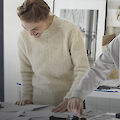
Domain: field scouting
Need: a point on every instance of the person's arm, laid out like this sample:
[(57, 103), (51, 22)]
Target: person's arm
[(78, 57), (25, 69), (99, 72), (80, 63)]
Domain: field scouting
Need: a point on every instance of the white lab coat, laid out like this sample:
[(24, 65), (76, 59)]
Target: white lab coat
[(106, 62)]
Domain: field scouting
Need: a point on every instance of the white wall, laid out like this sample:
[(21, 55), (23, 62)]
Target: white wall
[(12, 27), (87, 4), (11, 63)]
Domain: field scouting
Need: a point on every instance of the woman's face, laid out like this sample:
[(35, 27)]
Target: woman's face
[(35, 29)]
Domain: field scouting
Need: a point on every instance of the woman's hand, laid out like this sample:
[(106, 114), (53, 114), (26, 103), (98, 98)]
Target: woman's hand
[(24, 102), (75, 105), (62, 107)]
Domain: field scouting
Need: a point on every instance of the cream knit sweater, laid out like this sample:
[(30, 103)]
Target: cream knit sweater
[(53, 64)]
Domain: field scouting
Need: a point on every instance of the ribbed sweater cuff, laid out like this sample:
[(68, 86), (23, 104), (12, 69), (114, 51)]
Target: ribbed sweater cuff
[(77, 94), (29, 97)]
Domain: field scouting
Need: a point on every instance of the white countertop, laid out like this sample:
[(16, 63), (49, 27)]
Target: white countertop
[(44, 113)]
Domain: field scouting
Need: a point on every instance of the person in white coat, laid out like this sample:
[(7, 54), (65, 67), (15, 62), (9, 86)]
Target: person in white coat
[(106, 62)]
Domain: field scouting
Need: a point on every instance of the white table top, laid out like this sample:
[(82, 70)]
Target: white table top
[(27, 113)]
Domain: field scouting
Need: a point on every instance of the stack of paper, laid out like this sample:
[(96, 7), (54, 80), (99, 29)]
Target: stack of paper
[(26, 112)]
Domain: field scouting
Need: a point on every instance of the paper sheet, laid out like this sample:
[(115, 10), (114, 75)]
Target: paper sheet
[(16, 108), (98, 115)]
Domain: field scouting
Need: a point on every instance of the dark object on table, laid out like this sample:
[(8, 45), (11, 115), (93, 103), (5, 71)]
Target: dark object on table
[(117, 115), (1, 106), (84, 105), (104, 87), (108, 87), (56, 118), (75, 118)]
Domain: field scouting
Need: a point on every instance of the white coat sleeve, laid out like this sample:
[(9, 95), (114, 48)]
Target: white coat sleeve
[(99, 72)]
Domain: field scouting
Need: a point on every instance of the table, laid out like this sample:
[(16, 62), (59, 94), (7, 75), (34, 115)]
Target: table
[(31, 112), (105, 101)]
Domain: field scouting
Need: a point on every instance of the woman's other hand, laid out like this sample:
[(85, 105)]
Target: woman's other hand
[(75, 105), (62, 107), (24, 102)]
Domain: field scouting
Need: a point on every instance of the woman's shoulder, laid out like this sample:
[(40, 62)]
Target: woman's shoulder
[(23, 33), (23, 37)]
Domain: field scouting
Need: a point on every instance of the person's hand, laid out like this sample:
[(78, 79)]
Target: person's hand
[(75, 105), (62, 107), (24, 102)]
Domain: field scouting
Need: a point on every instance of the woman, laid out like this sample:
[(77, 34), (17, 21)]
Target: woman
[(52, 56)]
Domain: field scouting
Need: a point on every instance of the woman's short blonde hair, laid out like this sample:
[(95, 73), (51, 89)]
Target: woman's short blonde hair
[(33, 10)]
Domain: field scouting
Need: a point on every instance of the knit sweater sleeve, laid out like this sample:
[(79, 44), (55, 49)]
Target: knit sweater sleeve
[(79, 58), (25, 69)]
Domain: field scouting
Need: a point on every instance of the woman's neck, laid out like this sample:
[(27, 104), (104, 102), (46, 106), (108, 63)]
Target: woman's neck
[(49, 20)]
